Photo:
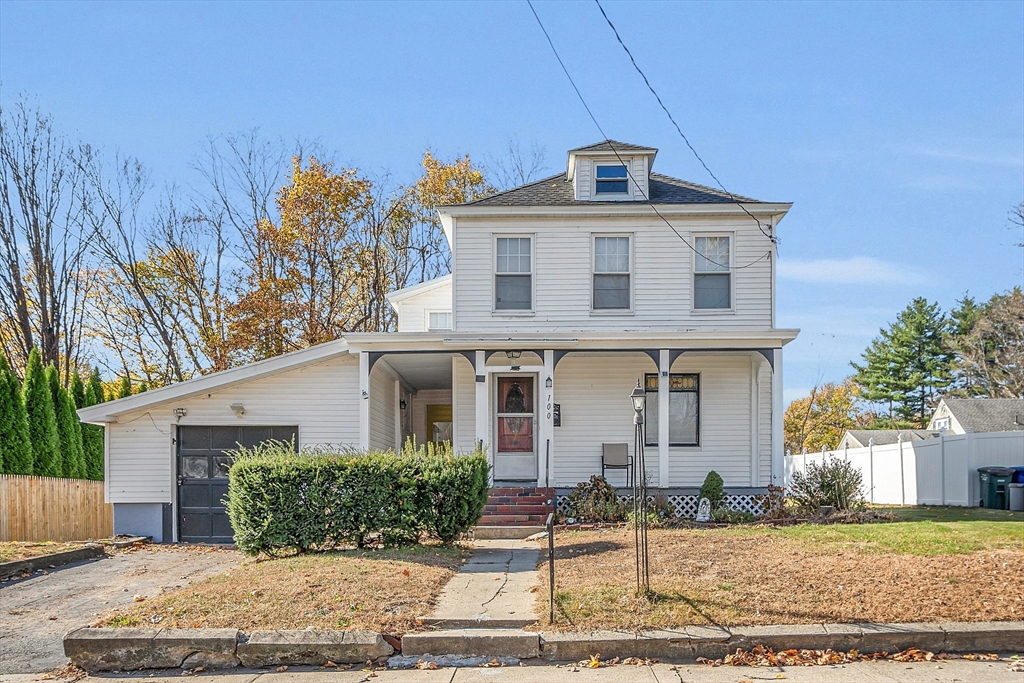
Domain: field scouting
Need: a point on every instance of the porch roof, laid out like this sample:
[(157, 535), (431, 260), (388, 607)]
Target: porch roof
[(685, 340)]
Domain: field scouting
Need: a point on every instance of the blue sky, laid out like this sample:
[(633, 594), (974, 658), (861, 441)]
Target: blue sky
[(896, 129)]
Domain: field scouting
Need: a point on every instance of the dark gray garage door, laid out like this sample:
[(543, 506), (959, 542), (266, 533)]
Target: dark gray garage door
[(203, 476)]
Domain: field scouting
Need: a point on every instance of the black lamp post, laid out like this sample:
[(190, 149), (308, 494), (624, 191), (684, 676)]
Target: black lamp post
[(640, 505)]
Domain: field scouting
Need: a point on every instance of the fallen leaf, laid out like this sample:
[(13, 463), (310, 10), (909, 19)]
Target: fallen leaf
[(429, 666), (282, 669)]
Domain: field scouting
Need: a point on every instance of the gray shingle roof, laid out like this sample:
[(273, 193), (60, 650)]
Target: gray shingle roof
[(609, 145), (558, 191), (887, 436), (987, 414)]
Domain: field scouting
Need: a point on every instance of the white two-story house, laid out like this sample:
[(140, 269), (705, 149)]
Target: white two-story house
[(564, 293)]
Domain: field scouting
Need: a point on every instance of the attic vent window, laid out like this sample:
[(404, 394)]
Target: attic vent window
[(611, 179)]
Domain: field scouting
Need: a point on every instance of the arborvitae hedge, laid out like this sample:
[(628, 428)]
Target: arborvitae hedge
[(69, 429), (279, 499), (15, 446), (124, 388), (92, 435), (42, 419)]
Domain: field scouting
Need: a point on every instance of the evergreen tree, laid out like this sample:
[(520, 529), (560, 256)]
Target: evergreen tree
[(124, 389), (69, 429), (77, 390), (92, 435), (42, 419), (15, 447), (909, 364), (143, 387)]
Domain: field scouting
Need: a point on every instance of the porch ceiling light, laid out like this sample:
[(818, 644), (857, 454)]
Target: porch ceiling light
[(181, 412), (639, 397), (513, 355)]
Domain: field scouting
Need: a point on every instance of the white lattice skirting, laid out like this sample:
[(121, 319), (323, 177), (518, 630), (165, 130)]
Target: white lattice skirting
[(685, 505)]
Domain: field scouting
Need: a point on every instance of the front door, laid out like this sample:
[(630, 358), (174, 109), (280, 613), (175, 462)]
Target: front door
[(203, 477), (515, 457)]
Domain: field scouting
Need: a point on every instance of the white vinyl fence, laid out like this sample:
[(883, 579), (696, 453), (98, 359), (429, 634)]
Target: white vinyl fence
[(938, 471)]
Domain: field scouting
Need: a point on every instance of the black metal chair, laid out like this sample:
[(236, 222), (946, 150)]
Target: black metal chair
[(615, 456)]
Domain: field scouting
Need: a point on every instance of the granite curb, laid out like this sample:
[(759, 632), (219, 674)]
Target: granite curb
[(131, 649), (124, 649), (1004, 637), (16, 568)]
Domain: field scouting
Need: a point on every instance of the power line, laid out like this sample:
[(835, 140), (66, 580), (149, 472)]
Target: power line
[(678, 129), (616, 153)]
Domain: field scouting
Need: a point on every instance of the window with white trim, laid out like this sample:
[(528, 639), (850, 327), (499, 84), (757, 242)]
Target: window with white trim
[(712, 272), (439, 321), (513, 274), (611, 179), (683, 410), (611, 273)]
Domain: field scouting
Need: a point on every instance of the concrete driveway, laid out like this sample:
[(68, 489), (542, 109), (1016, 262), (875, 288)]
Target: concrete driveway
[(36, 612)]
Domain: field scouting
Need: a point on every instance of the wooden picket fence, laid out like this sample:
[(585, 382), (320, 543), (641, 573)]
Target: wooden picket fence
[(51, 509)]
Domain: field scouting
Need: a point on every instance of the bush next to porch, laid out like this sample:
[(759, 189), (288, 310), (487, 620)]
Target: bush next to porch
[(324, 498)]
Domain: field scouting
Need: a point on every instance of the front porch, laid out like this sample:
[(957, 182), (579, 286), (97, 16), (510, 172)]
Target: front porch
[(543, 416)]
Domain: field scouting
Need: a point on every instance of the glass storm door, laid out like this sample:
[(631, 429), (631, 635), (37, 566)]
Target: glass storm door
[(515, 457)]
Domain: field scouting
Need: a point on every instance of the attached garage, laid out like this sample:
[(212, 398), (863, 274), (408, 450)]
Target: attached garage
[(203, 461)]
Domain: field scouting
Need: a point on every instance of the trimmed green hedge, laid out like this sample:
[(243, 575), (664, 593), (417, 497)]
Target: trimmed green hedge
[(321, 498)]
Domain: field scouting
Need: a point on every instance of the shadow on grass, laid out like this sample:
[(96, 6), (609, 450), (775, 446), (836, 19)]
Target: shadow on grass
[(585, 549)]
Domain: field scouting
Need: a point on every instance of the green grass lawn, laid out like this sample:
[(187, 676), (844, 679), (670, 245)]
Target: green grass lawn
[(927, 531)]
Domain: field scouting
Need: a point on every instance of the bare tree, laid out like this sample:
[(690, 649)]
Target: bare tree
[(43, 241), (1017, 221), (518, 166)]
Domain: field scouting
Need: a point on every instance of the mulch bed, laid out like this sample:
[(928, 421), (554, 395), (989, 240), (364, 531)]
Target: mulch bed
[(710, 577)]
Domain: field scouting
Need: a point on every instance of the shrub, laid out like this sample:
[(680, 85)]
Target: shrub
[(730, 516), (15, 447), (323, 498), (595, 501), (713, 489), (834, 482)]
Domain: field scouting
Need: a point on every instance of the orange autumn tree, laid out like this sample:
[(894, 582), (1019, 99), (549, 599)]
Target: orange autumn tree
[(341, 243), (822, 418)]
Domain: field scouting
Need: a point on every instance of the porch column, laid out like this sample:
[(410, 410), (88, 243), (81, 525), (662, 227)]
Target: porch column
[(755, 421), (664, 367), (546, 432), (364, 401), (482, 438), (778, 462)]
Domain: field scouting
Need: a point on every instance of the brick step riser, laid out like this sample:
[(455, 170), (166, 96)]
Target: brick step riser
[(517, 520), (520, 501), (517, 510)]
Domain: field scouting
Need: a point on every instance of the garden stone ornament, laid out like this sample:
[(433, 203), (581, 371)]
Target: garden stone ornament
[(704, 510)]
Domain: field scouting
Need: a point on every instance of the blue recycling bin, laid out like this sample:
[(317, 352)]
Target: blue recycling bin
[(1018, 475)]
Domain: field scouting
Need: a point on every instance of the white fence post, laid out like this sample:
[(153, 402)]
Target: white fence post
[(871, 469), (942, 463), (903, 485)]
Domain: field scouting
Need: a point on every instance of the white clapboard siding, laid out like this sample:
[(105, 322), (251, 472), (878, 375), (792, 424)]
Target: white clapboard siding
[(593, 391), (582, 178), (322, 399), (765, 427), (464, 408), (413, 312), (382, 408), (662, 273), (724, 422)]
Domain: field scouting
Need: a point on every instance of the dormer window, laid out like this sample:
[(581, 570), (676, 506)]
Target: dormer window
[(611, 179)]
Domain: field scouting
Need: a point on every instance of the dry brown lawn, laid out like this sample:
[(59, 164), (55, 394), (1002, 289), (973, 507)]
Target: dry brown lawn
[(22, 550), (886, 573), (379, 590)]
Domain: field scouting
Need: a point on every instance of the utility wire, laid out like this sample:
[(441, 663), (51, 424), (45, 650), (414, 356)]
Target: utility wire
[(678, 129), (629, 174)]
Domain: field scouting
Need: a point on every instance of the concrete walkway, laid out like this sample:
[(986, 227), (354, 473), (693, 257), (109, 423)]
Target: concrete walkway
[(492, 590)]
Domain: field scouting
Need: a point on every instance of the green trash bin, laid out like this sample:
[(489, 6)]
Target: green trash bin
[(995, 487)]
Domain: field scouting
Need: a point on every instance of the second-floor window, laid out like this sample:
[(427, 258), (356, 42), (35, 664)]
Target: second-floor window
[(513, 274), (438, 321), (712, 272), (611, 179), (611, 273)]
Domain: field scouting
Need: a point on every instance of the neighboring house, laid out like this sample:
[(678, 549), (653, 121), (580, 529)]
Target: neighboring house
[(859, 438), (962, 415), (563, 294)]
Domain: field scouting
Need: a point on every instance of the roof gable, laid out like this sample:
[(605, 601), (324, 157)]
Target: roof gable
[(987, 414)]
